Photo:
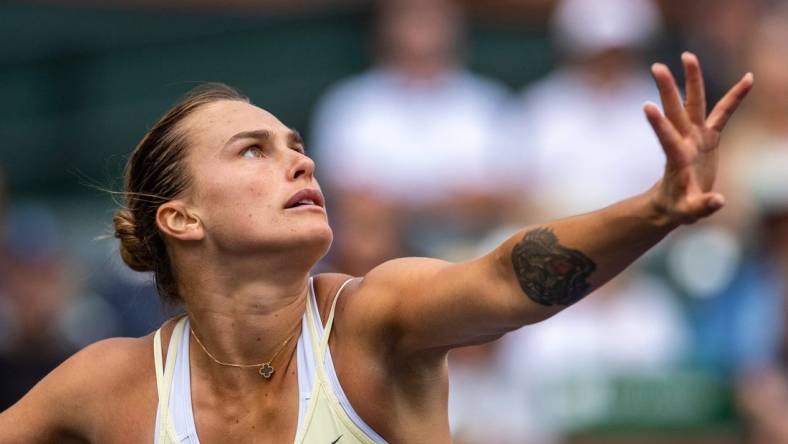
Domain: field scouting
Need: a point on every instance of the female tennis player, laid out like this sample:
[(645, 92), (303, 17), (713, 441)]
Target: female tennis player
[(223, 206)]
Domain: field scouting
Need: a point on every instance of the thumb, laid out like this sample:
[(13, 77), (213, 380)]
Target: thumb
[(705, 205)]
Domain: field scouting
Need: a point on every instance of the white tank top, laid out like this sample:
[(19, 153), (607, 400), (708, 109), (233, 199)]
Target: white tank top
[(324, 412)]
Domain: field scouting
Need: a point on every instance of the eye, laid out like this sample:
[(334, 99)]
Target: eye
[(252, 151)]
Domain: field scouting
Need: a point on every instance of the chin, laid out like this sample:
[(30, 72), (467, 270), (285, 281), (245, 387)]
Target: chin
[(318, 237), (326, 237)]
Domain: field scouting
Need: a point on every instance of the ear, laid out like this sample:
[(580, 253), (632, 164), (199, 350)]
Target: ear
[(177, 221)]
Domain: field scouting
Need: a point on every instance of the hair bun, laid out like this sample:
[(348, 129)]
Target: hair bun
[(133, 250)]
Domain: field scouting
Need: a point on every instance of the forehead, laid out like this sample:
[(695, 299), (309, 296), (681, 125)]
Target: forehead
[(212, 125)]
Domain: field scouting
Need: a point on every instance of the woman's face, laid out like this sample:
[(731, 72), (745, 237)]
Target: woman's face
[(248, 173)]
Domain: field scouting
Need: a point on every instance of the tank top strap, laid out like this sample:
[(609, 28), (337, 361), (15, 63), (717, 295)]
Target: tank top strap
[(164, 376), (157, 361), (330, 322), (311, 309)]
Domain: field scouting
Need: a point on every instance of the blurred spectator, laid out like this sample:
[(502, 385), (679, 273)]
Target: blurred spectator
[(760, 131), (763, 398), (754, 312), (763, 384), (579, 142), (579, 138), (36, 290), (414, 134), (44, 314), (739, 322), (720, 30), (131, 296), (368, 230)]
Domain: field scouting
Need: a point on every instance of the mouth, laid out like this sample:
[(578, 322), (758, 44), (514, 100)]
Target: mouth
[(306, 197)]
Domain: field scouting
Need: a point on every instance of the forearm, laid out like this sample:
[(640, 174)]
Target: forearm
[(536, 273), (558, 263)]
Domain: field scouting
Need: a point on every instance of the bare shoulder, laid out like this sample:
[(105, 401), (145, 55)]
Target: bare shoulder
[(384, 288), (390, 277), (398, 274), (369, 305), (74, 400), (107, 364), (326, 287), (356, 304), (122, 368)]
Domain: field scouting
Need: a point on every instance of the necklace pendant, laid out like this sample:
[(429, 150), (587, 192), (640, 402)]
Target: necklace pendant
[(266, 370)]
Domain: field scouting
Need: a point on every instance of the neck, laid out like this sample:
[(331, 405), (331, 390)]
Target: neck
[(243, 311), (420, 71)]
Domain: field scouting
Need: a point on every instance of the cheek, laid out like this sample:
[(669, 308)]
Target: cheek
[(240, 202)]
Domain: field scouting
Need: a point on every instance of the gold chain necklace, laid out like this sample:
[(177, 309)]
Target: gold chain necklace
[(266, 370)]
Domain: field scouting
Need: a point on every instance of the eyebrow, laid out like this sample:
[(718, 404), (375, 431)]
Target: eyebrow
[(293, 137), (254, 134)]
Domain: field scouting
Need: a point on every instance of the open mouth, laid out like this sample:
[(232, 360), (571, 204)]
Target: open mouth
[(306, 197)]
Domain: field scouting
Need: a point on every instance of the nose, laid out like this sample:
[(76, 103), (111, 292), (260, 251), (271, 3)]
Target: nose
[(302, 166)]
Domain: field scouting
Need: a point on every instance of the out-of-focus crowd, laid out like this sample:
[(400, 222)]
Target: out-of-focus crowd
[(420, 156)]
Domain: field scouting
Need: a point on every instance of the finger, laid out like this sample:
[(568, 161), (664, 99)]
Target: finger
[(723, 110), (704, 205), (668, 136), (694, 89), (671, 100)]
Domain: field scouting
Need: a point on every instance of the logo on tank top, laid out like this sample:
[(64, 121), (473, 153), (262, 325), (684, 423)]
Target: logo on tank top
[(336, 440)]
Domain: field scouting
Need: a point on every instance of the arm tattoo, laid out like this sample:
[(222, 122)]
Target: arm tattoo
[(548, 272)]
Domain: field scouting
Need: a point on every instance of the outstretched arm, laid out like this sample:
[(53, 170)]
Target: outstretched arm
[(542, 269)]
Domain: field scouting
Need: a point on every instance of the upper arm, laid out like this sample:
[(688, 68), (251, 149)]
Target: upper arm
[(61, 406), (433, 304)]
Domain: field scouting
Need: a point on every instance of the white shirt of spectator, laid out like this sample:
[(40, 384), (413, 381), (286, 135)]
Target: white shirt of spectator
[(408, 140), (577, 148)]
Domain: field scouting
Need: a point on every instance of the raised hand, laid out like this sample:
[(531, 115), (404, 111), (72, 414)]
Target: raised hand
[(690, 138)]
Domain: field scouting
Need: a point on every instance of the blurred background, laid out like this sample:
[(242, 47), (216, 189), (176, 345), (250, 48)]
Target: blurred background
[(439, 128)]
